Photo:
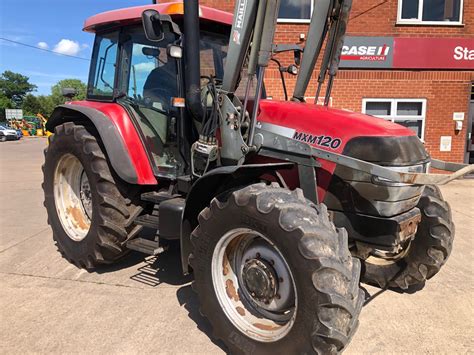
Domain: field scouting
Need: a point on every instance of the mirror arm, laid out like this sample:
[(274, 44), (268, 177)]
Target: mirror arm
[(283, 82)]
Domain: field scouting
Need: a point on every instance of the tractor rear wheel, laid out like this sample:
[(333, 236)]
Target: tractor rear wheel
[(273, 275), (89, 208), (424, 256)]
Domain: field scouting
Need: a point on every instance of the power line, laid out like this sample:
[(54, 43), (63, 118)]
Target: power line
[(368, 10), (43, 49)]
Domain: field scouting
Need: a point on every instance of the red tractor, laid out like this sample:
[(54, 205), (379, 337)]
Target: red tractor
[(280, 207)]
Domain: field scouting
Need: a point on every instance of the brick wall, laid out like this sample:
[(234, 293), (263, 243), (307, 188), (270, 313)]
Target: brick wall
[(446, 91)]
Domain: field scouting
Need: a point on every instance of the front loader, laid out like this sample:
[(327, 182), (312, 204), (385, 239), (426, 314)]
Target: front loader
[(280, 207)]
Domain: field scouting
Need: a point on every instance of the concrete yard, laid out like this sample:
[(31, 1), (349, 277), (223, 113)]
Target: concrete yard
[(144, 305)]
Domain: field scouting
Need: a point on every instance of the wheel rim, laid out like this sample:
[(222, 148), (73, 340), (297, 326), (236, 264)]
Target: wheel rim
[(72, 196), (254, 285)]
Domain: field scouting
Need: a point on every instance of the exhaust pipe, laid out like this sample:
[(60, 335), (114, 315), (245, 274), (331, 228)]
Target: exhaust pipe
[(192, 65)]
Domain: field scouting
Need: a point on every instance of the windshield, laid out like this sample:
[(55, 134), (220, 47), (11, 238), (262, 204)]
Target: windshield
[(213, 54)]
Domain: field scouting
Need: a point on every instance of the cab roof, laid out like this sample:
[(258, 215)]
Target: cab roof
[(130, 15)]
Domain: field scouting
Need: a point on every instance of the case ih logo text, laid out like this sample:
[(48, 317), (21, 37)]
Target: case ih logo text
[(367, 53), (323, 141)]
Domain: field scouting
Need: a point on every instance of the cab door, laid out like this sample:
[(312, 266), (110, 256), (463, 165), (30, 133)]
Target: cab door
[(148, 83)]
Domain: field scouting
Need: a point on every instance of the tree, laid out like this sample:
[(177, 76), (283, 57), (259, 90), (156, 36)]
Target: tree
[(31, 105), (5, 103), (15, 86), (56, 91), (46, 104)]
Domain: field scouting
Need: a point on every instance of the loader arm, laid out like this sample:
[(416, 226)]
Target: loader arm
[(251, 43)]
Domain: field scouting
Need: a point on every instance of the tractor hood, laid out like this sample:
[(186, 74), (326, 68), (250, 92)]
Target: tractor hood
[(345, 132), (319, 120)]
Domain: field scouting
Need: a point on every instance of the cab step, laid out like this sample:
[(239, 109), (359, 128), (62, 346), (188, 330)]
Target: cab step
[(158, 197), (145, 246), (148, 220)]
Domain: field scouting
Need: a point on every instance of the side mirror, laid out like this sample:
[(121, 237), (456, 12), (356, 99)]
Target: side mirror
[(68, 93), (152, 25), (297, 57)]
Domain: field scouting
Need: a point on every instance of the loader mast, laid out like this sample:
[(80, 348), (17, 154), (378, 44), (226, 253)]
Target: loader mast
[(251, 44), (329, 21)]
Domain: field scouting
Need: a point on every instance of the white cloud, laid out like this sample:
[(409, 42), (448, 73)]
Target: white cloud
[(145, 67), (68, 47), (43, 45)]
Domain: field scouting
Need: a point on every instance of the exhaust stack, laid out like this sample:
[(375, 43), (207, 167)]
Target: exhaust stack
[(192, 65)]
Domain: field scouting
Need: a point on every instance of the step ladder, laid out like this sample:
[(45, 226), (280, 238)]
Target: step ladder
[(145, 246), (152, 221)]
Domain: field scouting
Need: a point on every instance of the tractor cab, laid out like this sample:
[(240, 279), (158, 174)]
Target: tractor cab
[(146, 76)]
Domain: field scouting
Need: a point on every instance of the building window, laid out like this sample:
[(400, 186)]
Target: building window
[(295, 11), (410, 113), (430, 12)]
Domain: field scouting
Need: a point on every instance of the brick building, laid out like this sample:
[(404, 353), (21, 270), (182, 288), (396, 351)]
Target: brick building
[(410, 61)]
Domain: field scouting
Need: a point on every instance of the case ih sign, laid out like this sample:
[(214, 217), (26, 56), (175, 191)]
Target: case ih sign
[(408, 53)]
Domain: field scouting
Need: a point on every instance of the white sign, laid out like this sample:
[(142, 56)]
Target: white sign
[(11, 114), (445, 143), (458, 116)]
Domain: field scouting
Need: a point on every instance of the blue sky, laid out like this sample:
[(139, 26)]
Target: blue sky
[(53, 24)]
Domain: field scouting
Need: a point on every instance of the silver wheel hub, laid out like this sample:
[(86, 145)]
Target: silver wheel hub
[(254, 285), (72, 197), (260, 280)]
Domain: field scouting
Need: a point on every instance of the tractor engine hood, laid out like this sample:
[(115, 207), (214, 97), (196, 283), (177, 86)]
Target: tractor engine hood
[(345, 132)]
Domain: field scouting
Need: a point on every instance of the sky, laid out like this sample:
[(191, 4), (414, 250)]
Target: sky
[(55, 25)]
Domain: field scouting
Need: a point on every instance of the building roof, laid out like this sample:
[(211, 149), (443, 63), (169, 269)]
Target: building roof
[(133, 14)]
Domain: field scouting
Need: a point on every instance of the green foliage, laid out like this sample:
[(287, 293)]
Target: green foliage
[(15, 86), (47, 105), (15, 93), (5, 103), (31, 105), (56, 91)]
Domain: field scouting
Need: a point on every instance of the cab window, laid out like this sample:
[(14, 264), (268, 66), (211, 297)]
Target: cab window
[(102, 77)]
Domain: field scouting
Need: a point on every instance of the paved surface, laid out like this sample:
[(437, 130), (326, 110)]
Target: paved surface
[(143, 305)]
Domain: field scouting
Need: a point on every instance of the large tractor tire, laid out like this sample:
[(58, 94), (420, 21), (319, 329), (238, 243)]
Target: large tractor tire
[(424, 255), (273, 275), (89, 208)]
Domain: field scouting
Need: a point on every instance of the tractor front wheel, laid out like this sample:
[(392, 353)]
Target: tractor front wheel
[(273, 275), (423, 257), (89, 208)]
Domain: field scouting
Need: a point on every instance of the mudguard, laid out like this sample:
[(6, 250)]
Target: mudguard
[(212, 184), (122, 143)]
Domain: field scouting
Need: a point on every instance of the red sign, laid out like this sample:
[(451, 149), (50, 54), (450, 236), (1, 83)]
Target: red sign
[(433, 53), (408, 53)]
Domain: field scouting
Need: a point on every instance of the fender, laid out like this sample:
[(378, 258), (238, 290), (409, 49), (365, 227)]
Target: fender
[(212, 184), (122, 143)]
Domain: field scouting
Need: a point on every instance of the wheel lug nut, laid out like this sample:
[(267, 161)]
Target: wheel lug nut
[(272, 262), (280, 279), (258, 255), (277, 296)]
